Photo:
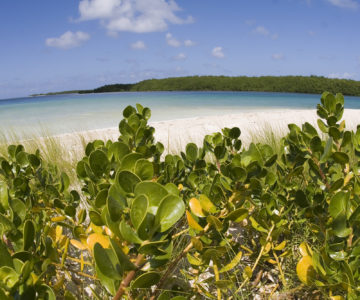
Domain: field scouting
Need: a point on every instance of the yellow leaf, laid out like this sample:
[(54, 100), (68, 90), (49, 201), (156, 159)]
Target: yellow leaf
[(34, 277), (197, 243), (281, 246), (180, 187), (267, 248), (192, 223), (305, 270), (337, 298), (78, 244), (272, 261), (98, 238), (247, 273), (305, 249), (58, 219), (232, 264), (196, 207), (59, 231), (96, 229), (206, 204), (194, 260)]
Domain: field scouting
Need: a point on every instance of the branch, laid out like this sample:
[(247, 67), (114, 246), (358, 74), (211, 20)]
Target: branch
[(129, 277)]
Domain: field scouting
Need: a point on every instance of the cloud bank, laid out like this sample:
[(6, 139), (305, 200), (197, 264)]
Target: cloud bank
[(132, 15)]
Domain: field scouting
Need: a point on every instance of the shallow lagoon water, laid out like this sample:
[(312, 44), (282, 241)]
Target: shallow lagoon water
[(73, 112)]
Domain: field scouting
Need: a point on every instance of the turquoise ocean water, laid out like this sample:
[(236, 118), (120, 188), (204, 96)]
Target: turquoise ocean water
[(69, 113)]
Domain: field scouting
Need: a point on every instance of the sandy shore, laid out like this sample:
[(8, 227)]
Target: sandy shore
[(175, 134)]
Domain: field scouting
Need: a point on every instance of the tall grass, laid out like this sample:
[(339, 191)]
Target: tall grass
[(65, 151)]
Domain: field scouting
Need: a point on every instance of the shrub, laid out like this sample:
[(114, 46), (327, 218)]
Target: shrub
[(218, 221)]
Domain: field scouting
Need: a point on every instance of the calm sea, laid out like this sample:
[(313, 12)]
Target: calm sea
[(68, 113)]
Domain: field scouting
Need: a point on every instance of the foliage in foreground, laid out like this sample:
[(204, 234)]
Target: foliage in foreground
[(217, 222)]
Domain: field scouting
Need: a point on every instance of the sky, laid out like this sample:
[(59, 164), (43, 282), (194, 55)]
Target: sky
[(52, 45)]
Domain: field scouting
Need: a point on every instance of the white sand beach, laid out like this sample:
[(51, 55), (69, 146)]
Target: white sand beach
[(175, 134)]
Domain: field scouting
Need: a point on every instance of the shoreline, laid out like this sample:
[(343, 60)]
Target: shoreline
[(175, 134)]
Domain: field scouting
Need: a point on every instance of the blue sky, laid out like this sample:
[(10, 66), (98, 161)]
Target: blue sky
[(52, 45)]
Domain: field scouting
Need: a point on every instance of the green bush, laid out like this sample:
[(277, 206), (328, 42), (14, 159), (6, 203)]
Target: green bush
[(219, 221)]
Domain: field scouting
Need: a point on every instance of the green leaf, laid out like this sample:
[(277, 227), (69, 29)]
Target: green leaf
[(128, 162), (309, 129), (101, 197), (22, 159), (334, 133), (212, 220), (234, 262), (194, 260), (340, 157), (220, 152), (118, 150), (340, 227), (330, 103), (144, 169), (322, 126), (257, 226), (95, 218), (234, 132), (327, 150), (170, 210), (206, 204), (5, 257), (127, 181), (346, 139), (191, 152), (128, 111), (116, 194), (4, 198), (315, 144), (29, 235), (128, 234), (237, 215), (8, 277), (104, 263), (139, 210), (154, 191), (153, 248), (301, 199), (338, 204), (123, 259), (146, 280), (99, 162)]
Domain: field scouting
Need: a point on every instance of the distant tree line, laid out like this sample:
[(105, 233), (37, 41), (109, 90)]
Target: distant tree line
[(290, 84)]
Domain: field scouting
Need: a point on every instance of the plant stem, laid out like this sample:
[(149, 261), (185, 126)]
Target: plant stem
[(172, 266), (217, 278), (129, 277), (279, 266)]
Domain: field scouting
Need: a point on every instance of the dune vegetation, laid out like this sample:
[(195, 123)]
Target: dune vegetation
[(278, 218)]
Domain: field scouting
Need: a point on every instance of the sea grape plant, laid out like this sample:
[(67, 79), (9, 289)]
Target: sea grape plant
[(35, 208), (220, 221)]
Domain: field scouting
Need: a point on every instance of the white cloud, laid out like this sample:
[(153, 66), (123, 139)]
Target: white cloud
[(171, 41), (180, 56), (261, 30), (189, 43), (218, 52), (345, 75), (68, 40), (277, 56), (132, 15), (352, 4), (139, 45)]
